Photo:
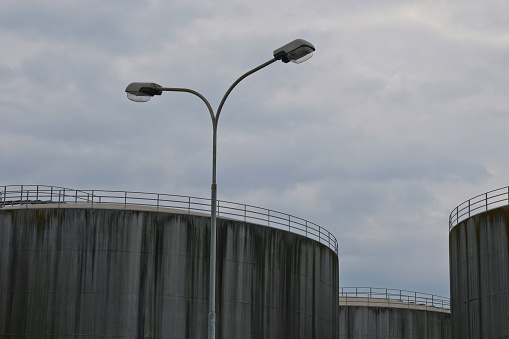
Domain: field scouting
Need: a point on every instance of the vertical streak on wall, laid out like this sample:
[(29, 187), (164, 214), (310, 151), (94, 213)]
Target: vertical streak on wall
[(129, 274)]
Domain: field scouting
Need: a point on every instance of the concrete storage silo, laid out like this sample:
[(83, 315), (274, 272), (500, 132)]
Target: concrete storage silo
[(129, 265), (479, 266), (366, 312)]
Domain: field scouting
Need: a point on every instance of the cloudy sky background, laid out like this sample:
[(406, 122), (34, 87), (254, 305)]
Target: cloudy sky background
[(400, 115)]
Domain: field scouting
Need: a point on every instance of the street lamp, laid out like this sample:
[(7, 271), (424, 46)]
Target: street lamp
[(296, 51)]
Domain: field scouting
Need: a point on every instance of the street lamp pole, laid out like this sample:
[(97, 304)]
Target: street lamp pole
[(296, 51)]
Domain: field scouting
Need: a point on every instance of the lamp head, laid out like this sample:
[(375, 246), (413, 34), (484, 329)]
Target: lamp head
[(297, 51), (142, 91)]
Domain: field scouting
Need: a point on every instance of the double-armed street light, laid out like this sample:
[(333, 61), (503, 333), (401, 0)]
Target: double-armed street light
[(296, 51)]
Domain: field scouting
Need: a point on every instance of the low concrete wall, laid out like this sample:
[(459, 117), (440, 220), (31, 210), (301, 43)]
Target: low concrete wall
[(479, 270), (132, 274), (366, 322), (392, 303)]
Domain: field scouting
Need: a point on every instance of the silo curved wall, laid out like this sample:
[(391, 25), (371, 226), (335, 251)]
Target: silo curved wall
[(479, 272), (130, 274), (365, 322)]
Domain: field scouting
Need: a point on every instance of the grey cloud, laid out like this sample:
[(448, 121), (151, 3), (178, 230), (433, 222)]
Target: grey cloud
[(400, 102)]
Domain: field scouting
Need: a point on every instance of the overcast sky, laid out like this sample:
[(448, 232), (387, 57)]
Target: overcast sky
[(400, 115)]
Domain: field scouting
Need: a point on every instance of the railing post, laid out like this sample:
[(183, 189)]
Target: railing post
[(92, 199), (306, 228), (76, 196), (21, 196), (125, 200), (289, 227), (63, 197), (51, 194), (486, 201), (37, 195), (157, 202)]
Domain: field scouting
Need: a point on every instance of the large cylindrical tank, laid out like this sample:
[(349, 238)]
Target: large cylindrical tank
[(479, 272), (123, 273)]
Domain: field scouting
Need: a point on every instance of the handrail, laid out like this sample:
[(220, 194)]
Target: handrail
[(25, 195), (480, 203), (386, 295)]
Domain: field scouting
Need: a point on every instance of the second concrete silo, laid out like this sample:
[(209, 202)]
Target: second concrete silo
[(479, 267), (366, 313)]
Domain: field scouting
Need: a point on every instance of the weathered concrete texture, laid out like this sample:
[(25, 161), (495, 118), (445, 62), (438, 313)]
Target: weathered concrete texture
[(479, 270), (133, 274), (365, 322)]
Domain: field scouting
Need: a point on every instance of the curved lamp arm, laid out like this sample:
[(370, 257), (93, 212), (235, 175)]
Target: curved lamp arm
[(215, 117), (211, 111), (239, 80)]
